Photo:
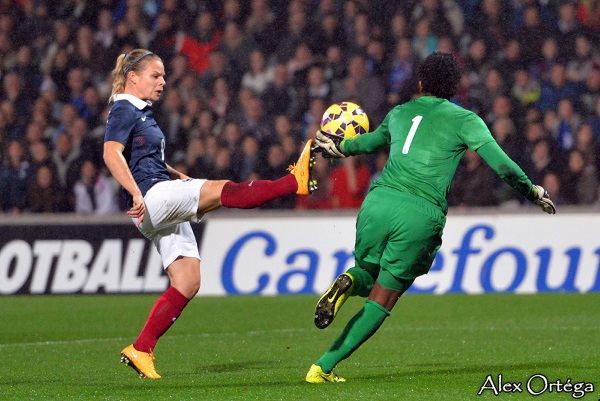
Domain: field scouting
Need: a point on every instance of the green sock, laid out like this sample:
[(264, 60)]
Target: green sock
[(363, 281), (358, 330)]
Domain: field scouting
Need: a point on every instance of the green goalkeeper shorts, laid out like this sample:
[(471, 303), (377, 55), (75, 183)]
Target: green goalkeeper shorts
[(399, 234)]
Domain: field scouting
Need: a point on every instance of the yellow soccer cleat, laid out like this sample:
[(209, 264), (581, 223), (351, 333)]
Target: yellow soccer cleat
[(316, 375), (302, 170), (330, 303), (141, 362)]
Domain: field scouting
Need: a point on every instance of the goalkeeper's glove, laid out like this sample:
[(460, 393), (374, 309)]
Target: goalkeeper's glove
[(540, 197), (329, 145)]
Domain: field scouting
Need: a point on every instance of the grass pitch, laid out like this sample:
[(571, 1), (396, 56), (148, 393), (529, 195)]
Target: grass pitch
[(260, 348)]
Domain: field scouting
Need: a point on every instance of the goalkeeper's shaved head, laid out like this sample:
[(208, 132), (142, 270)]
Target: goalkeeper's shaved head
[(440, 75)]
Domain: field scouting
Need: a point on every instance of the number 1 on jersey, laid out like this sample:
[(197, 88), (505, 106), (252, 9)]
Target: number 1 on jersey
[(411, 134)]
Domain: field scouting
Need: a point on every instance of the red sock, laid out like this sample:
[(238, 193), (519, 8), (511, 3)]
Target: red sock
[(162, 316), (250, 194)]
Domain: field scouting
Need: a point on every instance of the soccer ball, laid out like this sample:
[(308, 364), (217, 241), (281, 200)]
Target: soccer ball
[(346, 120)]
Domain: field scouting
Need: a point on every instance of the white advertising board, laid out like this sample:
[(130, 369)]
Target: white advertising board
[(518, 253)]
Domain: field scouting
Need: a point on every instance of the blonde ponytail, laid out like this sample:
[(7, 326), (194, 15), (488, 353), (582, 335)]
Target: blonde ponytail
[(131, 61)]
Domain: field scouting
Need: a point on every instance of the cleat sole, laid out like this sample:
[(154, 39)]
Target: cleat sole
[(127, 362), (325, 310)]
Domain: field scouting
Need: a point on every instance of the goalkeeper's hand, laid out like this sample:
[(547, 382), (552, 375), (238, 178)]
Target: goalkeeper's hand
[(329, 145), (541, 198)]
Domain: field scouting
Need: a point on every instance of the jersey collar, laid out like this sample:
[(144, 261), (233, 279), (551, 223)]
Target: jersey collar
[(137, 102)]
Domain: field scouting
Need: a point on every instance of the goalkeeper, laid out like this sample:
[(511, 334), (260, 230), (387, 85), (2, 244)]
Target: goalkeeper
[(400, 223)]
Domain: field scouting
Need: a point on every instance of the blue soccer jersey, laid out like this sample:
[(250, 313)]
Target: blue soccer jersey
[(131, 123)]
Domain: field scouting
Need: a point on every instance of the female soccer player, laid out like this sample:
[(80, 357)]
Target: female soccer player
[(163, 200), (399, 227)]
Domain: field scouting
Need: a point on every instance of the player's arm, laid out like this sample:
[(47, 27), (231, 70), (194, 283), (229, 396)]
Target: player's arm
[(175, 174), (117, 165), (512, 174), (370, 142)]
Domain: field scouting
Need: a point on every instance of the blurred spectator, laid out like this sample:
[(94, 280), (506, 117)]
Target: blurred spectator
[(236, 46), (509, 60), (279, 96), (196, 158), (551, 183), (557, 88), (424, 41), (254, 122), (105, 30), (584, 60), (261, 26), (588, 13), (14, 93), (15, 176), (532, 34), (258, 77), (222, 169), (402, 69), (43, 195), (39, 153), (591, 92), (476, 185), (333, 34), (358, 87), (567, 29), (526, 89), (543, 160), (492, 21), (587, 144), (276, 162), (300, 62), (542, 69), (218, 67), (349, 183), (493, 87), (93, 192), (438, 12), (335, 67), (569, 121), (198, 45), (476, 64), (63, 156), (376, 57), (231, 139), (250, 158), (220, 99), (163, 36), (297, 31), (398, 29), (316, 87), (579, 182)]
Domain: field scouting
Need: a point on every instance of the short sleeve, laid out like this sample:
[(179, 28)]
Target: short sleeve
[(119, 126), (474, 132)]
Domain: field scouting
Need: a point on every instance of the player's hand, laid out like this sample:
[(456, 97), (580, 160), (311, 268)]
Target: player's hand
[(541, 198), (138, 210), (329, 145)]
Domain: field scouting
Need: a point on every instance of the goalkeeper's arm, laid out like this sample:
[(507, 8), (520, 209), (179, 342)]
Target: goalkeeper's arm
[(334, 146), (512, 174)]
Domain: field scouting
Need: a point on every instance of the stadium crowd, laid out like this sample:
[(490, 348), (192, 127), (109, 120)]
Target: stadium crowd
[(248, 82)]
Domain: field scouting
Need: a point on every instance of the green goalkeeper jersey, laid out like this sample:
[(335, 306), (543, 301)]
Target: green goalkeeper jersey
[(427, 138)]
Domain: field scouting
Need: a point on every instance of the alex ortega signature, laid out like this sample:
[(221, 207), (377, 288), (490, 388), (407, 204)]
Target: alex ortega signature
[(535, 385)]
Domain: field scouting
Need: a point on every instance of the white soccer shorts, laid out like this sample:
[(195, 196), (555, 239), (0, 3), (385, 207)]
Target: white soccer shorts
[(170, 207)]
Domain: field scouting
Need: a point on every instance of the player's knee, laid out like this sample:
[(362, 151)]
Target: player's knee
[(190, 288)]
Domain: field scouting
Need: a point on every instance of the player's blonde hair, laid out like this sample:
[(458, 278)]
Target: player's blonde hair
[(132, 61)]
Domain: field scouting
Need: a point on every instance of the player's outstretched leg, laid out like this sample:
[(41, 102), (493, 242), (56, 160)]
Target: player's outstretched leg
[(141, 362), (316, 375), (330, 303), (302, 170)]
